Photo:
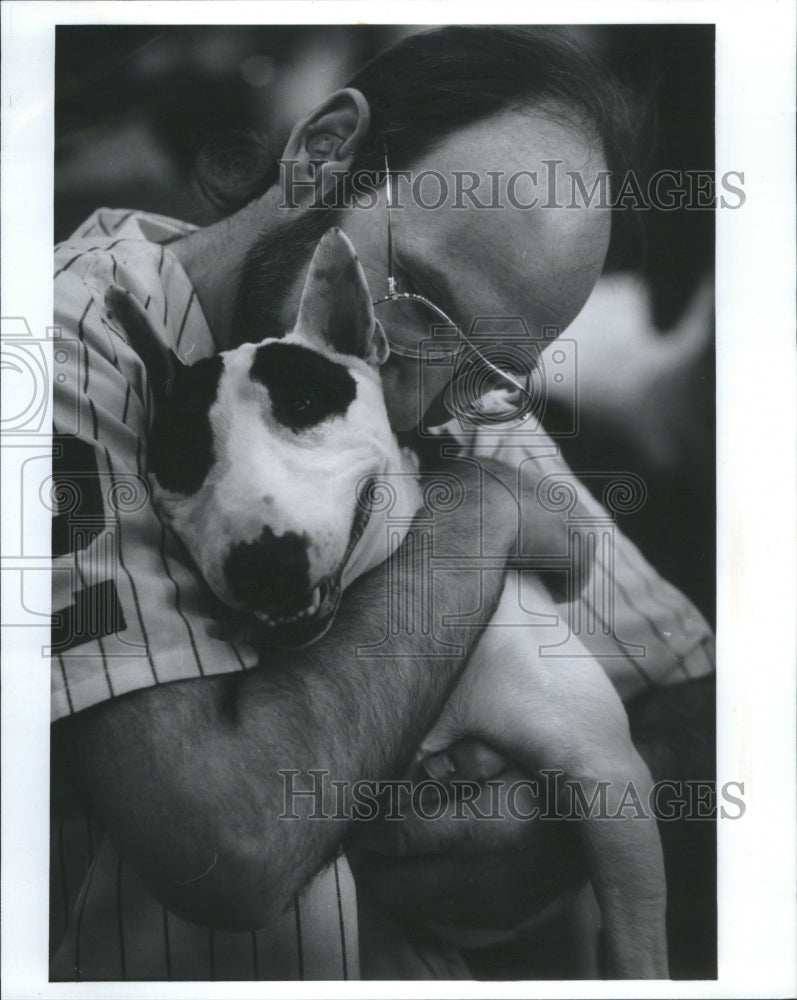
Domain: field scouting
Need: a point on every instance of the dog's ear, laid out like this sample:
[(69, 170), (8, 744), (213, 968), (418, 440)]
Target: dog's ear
[(161, 363), (335, 309)]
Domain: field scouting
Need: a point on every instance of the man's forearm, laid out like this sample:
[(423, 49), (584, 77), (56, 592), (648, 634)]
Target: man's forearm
[(353, 715), (187, 775)]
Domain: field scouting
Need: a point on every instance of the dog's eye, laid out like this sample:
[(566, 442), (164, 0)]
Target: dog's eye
[(300, 404)]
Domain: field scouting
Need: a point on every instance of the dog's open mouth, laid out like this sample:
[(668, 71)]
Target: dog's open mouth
[(314, 620)]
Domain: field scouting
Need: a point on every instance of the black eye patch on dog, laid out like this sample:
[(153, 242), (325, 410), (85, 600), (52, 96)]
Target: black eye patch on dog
[(181, 442), (305, 387)]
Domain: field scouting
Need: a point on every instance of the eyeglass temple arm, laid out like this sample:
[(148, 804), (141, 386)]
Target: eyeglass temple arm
[(391, 281)]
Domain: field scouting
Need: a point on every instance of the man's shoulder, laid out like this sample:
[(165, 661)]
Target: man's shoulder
[(113, 241), (115, 223), (130, 250)]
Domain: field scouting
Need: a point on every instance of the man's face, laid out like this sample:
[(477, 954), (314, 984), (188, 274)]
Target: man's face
[(499, 261)]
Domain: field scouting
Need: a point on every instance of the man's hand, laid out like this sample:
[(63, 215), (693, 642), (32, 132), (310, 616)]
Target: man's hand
[(470, 874), (463, 872)]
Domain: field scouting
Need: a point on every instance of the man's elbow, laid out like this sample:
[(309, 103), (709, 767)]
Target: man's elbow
[(237, 890), (187, 804)]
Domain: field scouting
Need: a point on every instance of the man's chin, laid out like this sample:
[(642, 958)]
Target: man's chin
[(400, 402), (406, 411)]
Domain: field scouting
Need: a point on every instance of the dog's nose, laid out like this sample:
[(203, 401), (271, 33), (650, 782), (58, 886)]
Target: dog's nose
[(270, 574)]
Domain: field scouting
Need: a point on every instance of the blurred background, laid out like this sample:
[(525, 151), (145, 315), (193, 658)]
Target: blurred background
[(135, 105)]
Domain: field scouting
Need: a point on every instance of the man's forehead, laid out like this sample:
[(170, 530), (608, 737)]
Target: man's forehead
[(517, 138)]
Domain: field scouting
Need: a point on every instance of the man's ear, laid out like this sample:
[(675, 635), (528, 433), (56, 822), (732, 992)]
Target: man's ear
[(335, 309), (161, 363), (323, 145)]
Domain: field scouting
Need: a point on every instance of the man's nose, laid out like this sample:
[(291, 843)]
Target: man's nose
[(270, 574)]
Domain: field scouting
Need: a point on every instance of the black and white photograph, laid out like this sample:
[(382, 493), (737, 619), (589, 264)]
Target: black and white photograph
[(389, 617)]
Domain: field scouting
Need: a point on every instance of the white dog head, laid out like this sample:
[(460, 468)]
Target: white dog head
[(259, 457)]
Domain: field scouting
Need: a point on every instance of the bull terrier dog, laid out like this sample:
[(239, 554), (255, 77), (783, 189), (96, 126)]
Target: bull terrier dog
[(257, 459)]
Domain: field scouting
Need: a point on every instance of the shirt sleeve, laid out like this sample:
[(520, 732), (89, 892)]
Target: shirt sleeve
[(643, 631), (129, 610)]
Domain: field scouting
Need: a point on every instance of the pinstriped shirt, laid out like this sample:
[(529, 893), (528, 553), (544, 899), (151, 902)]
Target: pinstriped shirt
[(130, 612), (643, 631)]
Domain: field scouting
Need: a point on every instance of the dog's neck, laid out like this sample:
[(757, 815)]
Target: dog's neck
[(395, 498)]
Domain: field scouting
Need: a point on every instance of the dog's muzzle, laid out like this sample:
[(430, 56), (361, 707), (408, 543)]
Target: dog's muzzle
[(317, 608)]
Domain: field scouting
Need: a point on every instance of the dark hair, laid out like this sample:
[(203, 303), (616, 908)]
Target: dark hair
[(430, 84), (434, 83)]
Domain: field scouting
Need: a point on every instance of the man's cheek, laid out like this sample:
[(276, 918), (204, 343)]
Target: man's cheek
[(435, 382), (400, 385)]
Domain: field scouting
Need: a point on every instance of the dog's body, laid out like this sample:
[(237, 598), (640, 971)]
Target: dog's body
[(259, 458)]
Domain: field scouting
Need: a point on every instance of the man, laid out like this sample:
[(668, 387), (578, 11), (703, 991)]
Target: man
[(174, 733)]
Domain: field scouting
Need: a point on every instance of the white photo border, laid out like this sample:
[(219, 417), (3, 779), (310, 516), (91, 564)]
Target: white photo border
[(755, 296)]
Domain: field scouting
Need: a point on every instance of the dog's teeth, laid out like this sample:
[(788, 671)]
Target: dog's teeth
[(315, 601)]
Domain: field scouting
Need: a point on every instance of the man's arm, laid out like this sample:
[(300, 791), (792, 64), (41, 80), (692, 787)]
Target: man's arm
[(449, 868), (186, 775)]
